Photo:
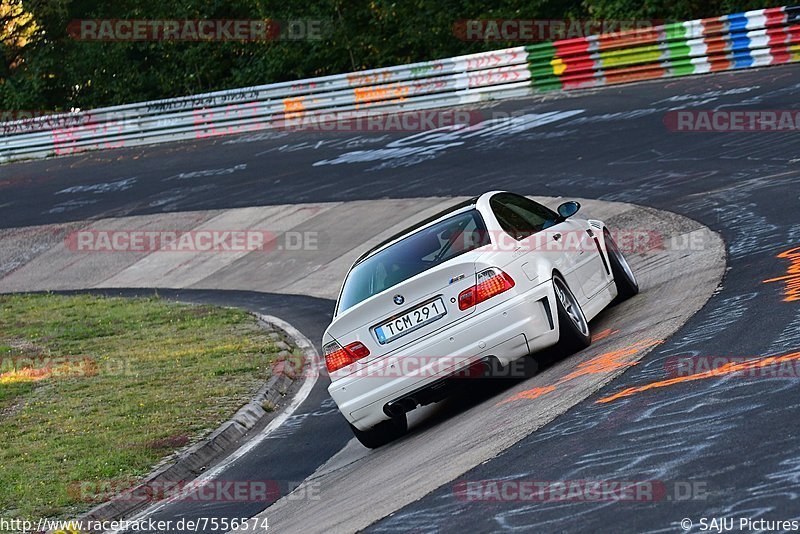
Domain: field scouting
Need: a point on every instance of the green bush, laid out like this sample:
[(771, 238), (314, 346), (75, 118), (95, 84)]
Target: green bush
[(56, 72)]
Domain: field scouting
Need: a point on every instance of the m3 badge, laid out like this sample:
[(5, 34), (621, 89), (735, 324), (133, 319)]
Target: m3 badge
[(457, 278)]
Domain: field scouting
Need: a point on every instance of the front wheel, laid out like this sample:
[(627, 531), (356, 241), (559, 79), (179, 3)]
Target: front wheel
[(626, 283), (382, 433), (573, 329)]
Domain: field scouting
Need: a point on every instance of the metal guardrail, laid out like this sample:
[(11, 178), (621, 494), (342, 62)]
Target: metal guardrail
[(752, 39)]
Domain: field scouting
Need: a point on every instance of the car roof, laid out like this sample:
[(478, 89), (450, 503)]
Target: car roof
[(461, 206)]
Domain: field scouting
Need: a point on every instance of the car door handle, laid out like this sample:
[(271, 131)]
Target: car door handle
[(556, 236)]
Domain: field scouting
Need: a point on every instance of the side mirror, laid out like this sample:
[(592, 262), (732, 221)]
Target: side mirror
[(568, 209)]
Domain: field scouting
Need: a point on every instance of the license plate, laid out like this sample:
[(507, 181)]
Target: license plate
[(408, 322)]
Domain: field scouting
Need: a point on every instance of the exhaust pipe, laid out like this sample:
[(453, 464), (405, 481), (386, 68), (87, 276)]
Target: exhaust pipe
[(399, 407)]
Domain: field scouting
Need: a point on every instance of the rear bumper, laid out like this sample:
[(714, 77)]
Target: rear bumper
[(512, 329)]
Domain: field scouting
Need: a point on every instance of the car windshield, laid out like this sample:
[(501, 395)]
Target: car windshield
[(412, 255)]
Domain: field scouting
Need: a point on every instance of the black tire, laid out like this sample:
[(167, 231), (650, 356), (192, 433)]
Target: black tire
[(573, 328), (382, 433), (624, 279)]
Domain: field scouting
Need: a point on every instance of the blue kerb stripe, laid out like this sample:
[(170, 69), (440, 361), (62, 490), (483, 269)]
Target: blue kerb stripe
[(741, 53), (740, 43), (742, 60), (738, 22)]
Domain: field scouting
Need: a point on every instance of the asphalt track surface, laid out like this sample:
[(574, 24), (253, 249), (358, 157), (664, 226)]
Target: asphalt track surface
[(736, 436), (448, 438)]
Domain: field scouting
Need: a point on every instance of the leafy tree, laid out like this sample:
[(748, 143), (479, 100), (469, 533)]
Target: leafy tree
[(45, 68)]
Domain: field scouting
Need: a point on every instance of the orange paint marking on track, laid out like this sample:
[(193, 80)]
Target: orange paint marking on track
[(722, 370), (534, 393), (603, 334), (610, 361), (792, 278), (604, 363)]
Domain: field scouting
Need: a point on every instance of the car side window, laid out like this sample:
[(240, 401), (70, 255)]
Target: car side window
[(519, 216)]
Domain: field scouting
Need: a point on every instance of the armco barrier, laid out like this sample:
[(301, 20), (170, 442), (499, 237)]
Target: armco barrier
[(752, 39)]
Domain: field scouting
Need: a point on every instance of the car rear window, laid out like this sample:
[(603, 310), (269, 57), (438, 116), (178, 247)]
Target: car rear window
[(521, 217), (412, 255)]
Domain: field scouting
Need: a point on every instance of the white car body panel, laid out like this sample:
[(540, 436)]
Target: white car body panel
[(508, 326)]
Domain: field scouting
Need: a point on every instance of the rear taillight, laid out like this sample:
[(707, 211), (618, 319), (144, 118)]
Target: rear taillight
[(490, 282), (337, 356)]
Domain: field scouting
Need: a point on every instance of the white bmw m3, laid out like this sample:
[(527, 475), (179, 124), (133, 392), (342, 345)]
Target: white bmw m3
[(492, 279)]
